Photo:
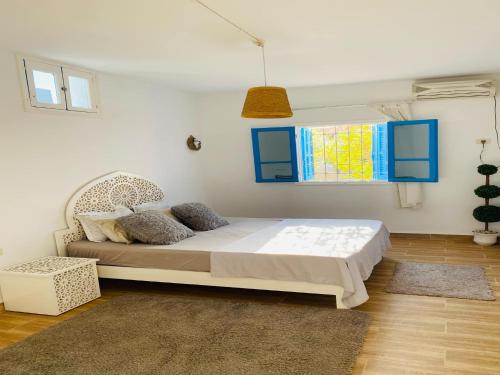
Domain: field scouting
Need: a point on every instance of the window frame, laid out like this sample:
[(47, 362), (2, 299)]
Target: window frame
[(432, 151), (90, 77), (24, 60), (291, 130), (55, 70)]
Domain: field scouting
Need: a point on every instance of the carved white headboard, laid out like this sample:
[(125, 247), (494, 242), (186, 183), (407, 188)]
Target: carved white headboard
[(103, 195)]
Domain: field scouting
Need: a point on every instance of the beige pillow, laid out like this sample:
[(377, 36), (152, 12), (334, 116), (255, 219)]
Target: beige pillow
[(114, 231), (91, 229), (168, 212)]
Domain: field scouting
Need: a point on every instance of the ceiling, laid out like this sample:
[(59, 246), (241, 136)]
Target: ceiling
[(308, 42)]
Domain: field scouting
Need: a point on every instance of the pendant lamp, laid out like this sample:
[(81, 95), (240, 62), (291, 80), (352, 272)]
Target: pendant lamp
[(266, 101), (261, 101)]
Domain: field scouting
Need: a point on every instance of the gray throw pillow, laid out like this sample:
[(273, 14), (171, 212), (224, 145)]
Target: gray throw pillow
[(155, 228), (199, 217)]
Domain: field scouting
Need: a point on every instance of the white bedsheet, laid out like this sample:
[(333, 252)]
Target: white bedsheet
[(325, 251), (216, 239)]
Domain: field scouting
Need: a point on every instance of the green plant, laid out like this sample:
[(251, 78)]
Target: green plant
[(487, 213), (487, 169), (488, 191)]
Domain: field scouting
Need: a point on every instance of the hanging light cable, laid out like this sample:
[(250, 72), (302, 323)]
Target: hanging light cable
[(261, 101), (261, 45)]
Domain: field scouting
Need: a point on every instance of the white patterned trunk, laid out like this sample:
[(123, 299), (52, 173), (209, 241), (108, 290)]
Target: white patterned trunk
[(39, 287)]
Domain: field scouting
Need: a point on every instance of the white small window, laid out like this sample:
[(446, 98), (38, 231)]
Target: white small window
[(80, 90), (45, 85), (56, 86)]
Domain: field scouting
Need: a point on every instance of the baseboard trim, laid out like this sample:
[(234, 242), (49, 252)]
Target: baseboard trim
[(430, 235)]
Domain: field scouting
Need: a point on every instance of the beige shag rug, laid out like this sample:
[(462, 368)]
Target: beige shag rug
[(441, 280), (160, 334)]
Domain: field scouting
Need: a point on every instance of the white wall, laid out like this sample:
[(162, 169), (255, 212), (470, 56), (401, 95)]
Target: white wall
[(45, 157), (229, 173)]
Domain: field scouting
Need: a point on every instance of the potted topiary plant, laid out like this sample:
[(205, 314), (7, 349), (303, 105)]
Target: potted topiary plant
[(487, 213)]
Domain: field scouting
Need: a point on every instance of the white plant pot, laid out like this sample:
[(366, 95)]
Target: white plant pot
[(485, 238)]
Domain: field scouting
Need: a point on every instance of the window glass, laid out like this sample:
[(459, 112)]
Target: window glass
[(411, 141), (46, 89), (279, 171), (274, 146), (344, 153), (411, 169), (80, 92)]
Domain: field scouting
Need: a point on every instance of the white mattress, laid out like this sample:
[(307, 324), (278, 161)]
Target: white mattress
[(325, 251)]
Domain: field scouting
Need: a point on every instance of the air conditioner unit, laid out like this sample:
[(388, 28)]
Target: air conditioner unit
[(447, 89)]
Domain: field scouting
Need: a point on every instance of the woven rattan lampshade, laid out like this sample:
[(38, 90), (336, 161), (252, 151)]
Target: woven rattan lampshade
[(266, 102)]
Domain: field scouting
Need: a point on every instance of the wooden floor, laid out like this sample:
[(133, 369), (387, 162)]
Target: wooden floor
[(408, 334)]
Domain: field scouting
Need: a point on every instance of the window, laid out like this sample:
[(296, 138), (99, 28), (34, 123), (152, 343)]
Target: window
[(44, 83), (79, 97), (346, 153), (398, 151), (53, 86)]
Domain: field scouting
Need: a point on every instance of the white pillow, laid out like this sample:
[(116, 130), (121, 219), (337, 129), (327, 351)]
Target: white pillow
[(148, 206), (155, 206), (92, 230)]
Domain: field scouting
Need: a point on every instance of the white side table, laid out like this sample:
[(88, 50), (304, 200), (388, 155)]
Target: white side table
[(50, 285)]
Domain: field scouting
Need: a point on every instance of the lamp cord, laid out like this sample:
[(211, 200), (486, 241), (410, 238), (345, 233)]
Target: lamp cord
[(264, 63), (255, 39), (495, 115), (496, 129), (258, 41)]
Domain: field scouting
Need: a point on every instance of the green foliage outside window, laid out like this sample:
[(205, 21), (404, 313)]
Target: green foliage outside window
[(343, 153)]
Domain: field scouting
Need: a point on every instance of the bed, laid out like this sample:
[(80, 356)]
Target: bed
[(320, 256)]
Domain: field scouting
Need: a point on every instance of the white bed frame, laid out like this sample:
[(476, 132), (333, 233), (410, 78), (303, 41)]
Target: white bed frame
[(119, 188)]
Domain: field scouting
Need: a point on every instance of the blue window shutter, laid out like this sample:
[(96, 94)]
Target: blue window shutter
[(382, 149), (275, 154), (375, 152), (307, 154), (379, 152), (311, 154), (413, 151)]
